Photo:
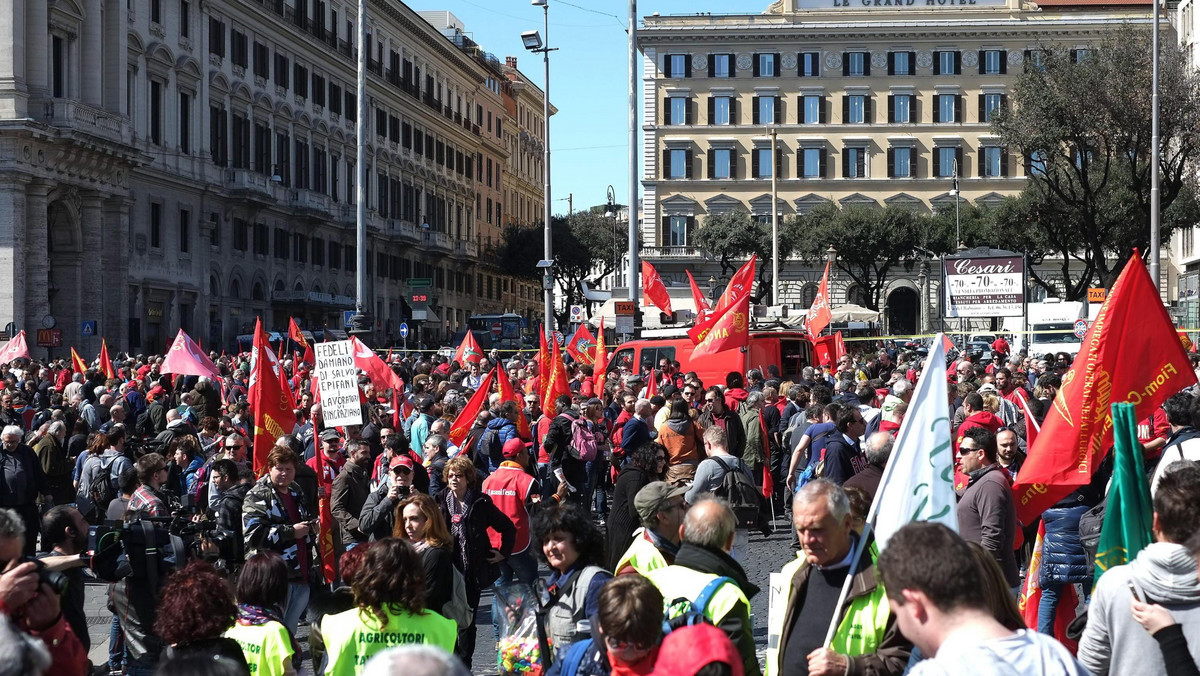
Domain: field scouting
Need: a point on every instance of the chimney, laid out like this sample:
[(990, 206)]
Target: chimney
[(510, 61)]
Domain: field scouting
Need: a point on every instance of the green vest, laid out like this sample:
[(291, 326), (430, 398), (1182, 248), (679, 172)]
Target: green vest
[(681, 582), (353, 637), (864, 620), (266, 646), (642, 555)]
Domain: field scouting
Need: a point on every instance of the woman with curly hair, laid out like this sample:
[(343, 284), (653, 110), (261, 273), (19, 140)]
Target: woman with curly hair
[(571, 545), (389, 591), (262, 589), (195, 608), (645, 465), (420, 522)]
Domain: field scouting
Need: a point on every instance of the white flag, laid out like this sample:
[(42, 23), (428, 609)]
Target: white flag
[(918, 482)]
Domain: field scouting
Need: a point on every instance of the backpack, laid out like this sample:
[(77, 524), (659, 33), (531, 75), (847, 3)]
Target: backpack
[(1090, 524), (741, 494), (583, 441), (457, 608), (573, 656), (489, 446), (103, 489), (682, 612)]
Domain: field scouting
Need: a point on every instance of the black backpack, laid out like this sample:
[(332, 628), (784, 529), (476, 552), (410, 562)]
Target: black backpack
[(740, 493), (489, 446), (103, 489)]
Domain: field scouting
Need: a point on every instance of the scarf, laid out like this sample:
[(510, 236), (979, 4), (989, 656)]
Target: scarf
[(642, 667), (256, 616)]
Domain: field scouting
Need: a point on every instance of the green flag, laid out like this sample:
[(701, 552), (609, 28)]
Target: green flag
[(1129, 514)]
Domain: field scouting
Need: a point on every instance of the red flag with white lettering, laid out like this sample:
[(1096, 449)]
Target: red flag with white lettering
[(653, 289)]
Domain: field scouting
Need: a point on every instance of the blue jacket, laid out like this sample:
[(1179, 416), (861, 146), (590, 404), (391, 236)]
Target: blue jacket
[(505, 429), (636, 433), (1064, 560)]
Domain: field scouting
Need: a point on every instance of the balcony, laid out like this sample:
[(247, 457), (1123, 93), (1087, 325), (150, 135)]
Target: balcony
[(671, 252), (438, 242), (310, 204), (250, 185), (78, 116), (405, 230), (464, 249), (346, 213)]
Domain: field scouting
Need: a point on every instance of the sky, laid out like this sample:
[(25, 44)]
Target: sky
[(589, 76)]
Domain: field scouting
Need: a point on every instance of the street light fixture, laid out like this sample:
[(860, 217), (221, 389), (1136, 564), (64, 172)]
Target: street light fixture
[(533, 42), (610, 211)]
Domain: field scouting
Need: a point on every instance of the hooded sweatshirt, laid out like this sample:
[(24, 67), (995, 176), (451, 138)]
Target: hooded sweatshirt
[(985, 419), (1025, 652), (683, 441), (1113, 642)]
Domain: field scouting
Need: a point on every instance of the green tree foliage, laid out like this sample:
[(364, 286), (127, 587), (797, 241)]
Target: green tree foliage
[(733, 236), (1085, 120)]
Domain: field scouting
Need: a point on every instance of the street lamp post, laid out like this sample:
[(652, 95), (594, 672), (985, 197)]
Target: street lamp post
[(633, 279), (533, 42), (360, 322), (1155, 195), (774, 224), (611, 212)]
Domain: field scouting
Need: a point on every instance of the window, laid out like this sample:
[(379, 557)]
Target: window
[(721, 65), (155, 225), (677, 65), (300, 77), (59, 66), (856, 64), (947, 63), (156, 112), (812, 162), (854, 162), (948, 108), (262, 60), (318, 90), (678, 111), (185, 123), (282, 245), (335, 255), (677, 163), (946, 161), (989, 104), (720, 109), (902, 162), (810, 64), (238, 48), (767, 109), (1079, 55), (261, 239), (185, 21), (1036, 164), (993, 62), (900, 108), (677, 230), (761, 159), (812, 109), (214, 222), (216, 37), (318, 251), (901, 63), (156, 11), (766, 65), (993, 162), (218, 135), (856, 109), (720, 163), (335, 98), (241, 234), (281, 71)]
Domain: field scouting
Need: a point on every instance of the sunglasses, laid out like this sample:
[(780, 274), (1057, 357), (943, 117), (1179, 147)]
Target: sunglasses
[(232, 448), (401, 469)]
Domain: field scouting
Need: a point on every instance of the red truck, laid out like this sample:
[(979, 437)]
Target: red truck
[(791, 351)]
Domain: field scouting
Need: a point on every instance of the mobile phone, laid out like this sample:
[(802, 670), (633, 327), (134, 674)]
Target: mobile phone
[(1134, 592)]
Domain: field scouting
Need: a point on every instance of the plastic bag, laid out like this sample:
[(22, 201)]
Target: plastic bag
[(519, 650)]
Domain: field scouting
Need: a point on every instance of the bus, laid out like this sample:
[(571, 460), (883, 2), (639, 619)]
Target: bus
[(495, 331)]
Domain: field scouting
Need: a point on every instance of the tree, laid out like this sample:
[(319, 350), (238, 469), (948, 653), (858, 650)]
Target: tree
[(733, 236), (584, 243), (1082, 120), (870, 242)]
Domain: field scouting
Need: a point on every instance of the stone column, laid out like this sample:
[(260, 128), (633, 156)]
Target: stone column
[(12, 234), (14, 97), (116, 55), (35, 277), (114, 319), (91, 71), (91, 277), (37, 47)]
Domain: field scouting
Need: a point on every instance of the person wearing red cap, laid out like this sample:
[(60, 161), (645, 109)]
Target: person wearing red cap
[(688, 650), (512, 489)]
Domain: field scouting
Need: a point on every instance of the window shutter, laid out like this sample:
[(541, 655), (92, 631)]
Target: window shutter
[(937, 162), (823, 165), (845, 108), (666, 69), (689, 112), (1004, 162), (667, 111), (823, 111), (712, 108), (754, 162), (712, 65), (733, 163), (868, 110), (666, 163), (891, 63), (912, 163), (867, 64), (1003, 62), (1074, 56), (982, 62), (937, 63), (732, 65), (665, 234), (958, 63), (982, 161), (778, 162), (778, 109), (754, 112), (891, 163), (845, 64), (983, 107), (891, 108), (756, 65), (687, 66), (1004, 102), (733, 114), (912, 63), (687, 163), (1026, 60), (775, 63), (845, 163), (862, 164), (712, 159), (958, 118), (962, 169)]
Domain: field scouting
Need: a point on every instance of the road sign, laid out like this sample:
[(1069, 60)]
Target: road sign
[(49, 338), (558, 337), (403, 330), (624, 308), (88, 328), (497, 329), (576, 314), (1081, 327), (1097, 294), (418, 282), (346, 316)]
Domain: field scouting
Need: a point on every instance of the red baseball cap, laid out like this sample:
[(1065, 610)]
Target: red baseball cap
[(400, 461), (513, 447)]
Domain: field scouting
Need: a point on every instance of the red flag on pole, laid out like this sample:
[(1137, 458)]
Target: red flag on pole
[(1077, 431), (653, 289), (582, 345), (185, 357), (600, 361), (768, 484), (269, 400), (651, 384), (819, 314), (106, 364), (297, 336), (543, 364), (730, 330), (839, 345), (15, 349), (368, 362), (739, 289), (556, 380), (508, 393), (77, 363), (466, 417), (325, 548), (469, 351), (697, 298)]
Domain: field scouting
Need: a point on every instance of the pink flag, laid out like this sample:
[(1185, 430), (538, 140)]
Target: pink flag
[(15, 349), (367, 361), (186, 357)]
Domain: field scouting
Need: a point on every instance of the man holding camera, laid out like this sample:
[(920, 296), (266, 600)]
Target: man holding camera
[(377, 517), (66, 531)]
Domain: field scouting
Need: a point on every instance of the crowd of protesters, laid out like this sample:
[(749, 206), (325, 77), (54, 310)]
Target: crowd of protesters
[(627, 511)]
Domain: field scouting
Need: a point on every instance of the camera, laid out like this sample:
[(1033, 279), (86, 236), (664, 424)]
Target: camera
[(57, 581)]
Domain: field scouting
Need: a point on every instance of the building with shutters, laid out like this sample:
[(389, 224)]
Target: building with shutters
[(171, 164), (872, 103)]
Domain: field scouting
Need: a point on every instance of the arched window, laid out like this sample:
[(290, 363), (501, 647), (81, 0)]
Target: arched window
[(257, 292), (235, 289)]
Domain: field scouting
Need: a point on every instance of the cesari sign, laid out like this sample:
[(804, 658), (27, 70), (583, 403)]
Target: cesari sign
[(984, 286)]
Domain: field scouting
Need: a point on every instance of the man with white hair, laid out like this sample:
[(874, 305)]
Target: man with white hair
[(878, 450), (21, 482), (637, 430), (427, 660), (890, 416), (51, 451)]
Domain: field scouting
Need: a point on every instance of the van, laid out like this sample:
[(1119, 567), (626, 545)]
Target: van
[(791, 351)]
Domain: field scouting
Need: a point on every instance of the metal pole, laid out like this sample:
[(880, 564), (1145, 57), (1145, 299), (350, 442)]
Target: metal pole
[(548, 245), (361, 305), (774, 225), (633, 280), (1154, 178)]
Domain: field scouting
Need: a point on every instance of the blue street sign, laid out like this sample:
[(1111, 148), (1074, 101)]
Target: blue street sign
[(404, 330), (346, 315), (88, 329)]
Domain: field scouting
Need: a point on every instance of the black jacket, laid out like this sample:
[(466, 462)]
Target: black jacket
[(842, 460), (229, 519), (377, 518), (737, 624), (558, 444), (623, 519), (475, 545)]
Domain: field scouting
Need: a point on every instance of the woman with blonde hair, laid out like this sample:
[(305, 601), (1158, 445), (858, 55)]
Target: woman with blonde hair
[(419, 520)]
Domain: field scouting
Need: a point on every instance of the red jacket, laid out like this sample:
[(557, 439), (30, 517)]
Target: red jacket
[(985, 419)]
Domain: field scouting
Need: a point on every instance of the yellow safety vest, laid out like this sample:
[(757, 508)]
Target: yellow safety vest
[(266, 646), (864, 621), (642, 555), (677, 582), (353, 637)]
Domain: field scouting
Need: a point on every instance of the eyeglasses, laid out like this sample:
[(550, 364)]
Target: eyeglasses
[(231, 448), (661, 458), (709, 400), (401, 469)]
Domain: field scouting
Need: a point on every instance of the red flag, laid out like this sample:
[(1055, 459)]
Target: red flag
[(297, 337), (77, 363), (600, 361), (1031, 424), (15, 349), (466, 417), (396, 408), (368, 362), (739, 288), (286, 387), (839, 346), (1078, 427), (325, 548), (543, 364), (652, 385), (823, 350), (555, 382), (270, 402), (768, 485), (582, 345), (947, 343), (469, 351), (1031, 597), (819, 315), (186, 358), (653, 289), (106, 364), (730, 330), (507, 393), (697, 298), (389, 357)]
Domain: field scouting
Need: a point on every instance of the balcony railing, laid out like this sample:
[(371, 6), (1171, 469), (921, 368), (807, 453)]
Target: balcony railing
[(438, 240), (249, 183), (671, 252), (463, 248), (71, 114)]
